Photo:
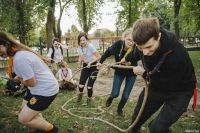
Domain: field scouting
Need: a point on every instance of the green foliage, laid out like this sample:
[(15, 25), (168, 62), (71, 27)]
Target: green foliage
[(87, 19), (161, 9), (74, 31), (190, 18), (123, 20), (26, 17)]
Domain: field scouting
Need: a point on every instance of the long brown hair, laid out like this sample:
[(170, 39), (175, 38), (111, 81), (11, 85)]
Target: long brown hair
[(9, 42), (81, 35)]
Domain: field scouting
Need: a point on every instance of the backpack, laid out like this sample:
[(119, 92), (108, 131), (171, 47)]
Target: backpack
[(52, 55)]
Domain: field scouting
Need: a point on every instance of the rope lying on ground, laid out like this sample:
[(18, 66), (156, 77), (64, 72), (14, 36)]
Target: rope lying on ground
[(102, 111)]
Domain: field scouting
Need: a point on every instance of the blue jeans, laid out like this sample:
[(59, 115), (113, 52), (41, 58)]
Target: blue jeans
[(117, 82)]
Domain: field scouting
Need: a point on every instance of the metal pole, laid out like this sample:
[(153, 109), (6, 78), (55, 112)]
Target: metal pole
[(40, 44)]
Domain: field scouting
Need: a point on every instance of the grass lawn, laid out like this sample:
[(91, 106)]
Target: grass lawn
[(9, 107)]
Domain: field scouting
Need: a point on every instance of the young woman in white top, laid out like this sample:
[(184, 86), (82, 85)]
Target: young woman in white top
[(88, 55), (55, 54), (32, 71)]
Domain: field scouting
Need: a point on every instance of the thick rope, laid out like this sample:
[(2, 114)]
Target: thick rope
[(102, 111)]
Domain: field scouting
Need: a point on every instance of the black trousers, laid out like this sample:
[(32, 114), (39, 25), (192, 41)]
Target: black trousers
[(172, 105), (90, 74)]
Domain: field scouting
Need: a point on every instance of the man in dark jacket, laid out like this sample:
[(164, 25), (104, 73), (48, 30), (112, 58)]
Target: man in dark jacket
[(169, 71)]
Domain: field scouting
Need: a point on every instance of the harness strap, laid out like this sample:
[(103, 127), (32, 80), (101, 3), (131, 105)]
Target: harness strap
[(157, 67)]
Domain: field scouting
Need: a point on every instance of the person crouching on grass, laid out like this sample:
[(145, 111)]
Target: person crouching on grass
[(64, 76), (32, 71), (169, 70)]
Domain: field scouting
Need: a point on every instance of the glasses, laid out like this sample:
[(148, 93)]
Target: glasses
[(130, 40)]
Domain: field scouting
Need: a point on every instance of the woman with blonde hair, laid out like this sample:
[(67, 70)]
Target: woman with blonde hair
[(32, 71), (120, 49)]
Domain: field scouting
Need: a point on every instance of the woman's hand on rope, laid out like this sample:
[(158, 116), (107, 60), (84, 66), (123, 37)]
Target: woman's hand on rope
[(123, 61), (17, 79), (138, 70), (100, 65), (89, 64), (81, 58)]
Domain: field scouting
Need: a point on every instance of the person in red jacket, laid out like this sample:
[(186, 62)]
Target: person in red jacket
[(169, 71)]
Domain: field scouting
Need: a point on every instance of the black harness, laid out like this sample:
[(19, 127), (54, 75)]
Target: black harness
[(156, 69)]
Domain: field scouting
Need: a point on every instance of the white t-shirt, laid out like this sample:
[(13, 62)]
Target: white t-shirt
[(27, 65), (62, 74), (58, 57), (87, 52)]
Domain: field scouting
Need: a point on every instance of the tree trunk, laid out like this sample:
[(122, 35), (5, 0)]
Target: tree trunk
[(59, 32), (177, 5), (20, 21), (50, 23), (85, 27), (129, 13)]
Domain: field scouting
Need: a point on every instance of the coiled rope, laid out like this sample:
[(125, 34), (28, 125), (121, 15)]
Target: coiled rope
[(102, 111)]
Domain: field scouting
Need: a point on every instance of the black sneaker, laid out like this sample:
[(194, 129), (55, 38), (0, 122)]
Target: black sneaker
[(36, 131), (109, 102), (120, 112)]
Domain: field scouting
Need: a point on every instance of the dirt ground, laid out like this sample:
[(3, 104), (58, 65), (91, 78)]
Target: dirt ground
[(104, 82)]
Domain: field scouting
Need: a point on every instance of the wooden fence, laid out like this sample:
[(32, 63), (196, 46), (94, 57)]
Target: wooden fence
[(101, 44)]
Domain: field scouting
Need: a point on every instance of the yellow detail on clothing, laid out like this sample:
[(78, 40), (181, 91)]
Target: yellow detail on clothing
[(10, 63), (50, 127), (128, 51), (33, 100)]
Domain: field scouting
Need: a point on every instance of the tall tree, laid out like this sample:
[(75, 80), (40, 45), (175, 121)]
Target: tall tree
[(19, 17), (62, 5), (161, 9), (50, 22), (22, 30), (190, 16), (128, 14), (87, 11), (177, 5)]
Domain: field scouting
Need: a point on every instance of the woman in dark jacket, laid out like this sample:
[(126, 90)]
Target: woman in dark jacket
[(169, 70), (120, 49)]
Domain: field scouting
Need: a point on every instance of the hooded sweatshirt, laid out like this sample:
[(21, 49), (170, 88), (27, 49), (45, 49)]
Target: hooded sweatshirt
[(176, 73)]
